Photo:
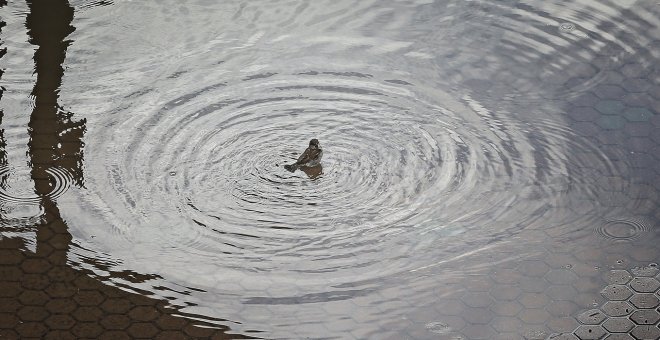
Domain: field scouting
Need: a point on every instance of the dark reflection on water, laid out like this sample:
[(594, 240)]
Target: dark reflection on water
[(35, 284), (3, 143), (459, 136)]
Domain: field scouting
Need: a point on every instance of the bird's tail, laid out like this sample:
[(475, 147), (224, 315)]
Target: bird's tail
[(291, 167)]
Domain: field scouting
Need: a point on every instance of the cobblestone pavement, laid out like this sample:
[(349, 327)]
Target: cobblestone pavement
[(43, 297)]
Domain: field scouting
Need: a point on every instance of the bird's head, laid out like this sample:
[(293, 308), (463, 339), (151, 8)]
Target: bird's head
[(314, 143)]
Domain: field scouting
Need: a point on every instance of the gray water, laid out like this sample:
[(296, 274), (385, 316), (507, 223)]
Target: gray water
[(460, 138)]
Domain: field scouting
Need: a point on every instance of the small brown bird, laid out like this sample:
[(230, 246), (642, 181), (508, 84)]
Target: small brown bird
[(310, 158)]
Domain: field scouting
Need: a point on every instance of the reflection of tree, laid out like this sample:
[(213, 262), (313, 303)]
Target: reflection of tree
[(55, 140), (3, 143), (55, 300)]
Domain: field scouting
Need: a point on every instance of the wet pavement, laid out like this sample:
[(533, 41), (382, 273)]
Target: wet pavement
[(570, 252)]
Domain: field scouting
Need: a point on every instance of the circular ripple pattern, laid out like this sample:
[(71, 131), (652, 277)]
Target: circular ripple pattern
[(545, 44), (404, 172), (567, 26), (623, 229), (18, 189)]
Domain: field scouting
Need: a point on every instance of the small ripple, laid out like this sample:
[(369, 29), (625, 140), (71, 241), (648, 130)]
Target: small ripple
[(83, 5), (438, 327), (567, 49), (17, 190), (623, 229), (566, 27)]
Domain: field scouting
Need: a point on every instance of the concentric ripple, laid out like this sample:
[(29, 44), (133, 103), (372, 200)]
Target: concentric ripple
[(204, 176), (623, 229), (18, 190), (20, 205)]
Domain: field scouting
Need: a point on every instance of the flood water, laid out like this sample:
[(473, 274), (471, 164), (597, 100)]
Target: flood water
[(460, 138)]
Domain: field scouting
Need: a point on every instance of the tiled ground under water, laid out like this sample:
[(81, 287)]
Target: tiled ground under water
[(607, 289)]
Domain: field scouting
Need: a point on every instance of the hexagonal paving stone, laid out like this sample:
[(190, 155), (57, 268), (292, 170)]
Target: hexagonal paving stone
[(645, 284), (61, 290), (647, 271), (88, 314), (619, 277), (35, 266), (8, 305), (587, 285), (60, 335), (33, 298), (638, 129), (586, 129), (504, 324), (533, 300), (115, 322), (618, 325), (32, 329), (121, 335), (89, 298), (607, 91), (590, 332), (639, 144), (562, 308), (561, 293), (563, 324), (60, 322), (616, 292), (617, 308), (563, 337), (505, 276), (33, 313), (477, 315), (561, 277), (591, 317), (619, 336), (610, 107), (638, 85), (506, 308), (505, 293), (61, 306), (645, 317), (611, 122), (637, 114), (479, 299), (116, 305), (533, 268), (534, 332), (646, 332), (168, 322), (634, 70), (142, 330), (583, 114), (143, 313), (35, 281), (478, 332), (645, 301), (87, 330), (534, 316), (656, 120)]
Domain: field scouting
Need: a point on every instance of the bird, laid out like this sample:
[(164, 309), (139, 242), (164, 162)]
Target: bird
[(310, 158)]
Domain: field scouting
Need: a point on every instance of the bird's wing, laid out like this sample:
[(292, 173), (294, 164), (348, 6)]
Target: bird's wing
[(305, 157)]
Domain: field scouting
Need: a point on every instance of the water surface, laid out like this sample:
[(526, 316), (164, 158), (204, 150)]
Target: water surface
[(458, 136)]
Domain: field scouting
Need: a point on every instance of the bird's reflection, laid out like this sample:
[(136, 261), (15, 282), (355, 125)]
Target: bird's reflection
[(313, 172)]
